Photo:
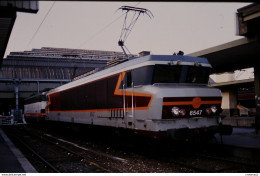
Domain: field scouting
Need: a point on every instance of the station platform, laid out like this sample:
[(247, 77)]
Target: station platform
[(247, 122), (242, 137), (11, 159)]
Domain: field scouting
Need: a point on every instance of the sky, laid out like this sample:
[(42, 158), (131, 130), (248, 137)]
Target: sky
[(97, 25)]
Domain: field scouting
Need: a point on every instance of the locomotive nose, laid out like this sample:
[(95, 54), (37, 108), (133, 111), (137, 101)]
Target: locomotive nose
[(186, 107)]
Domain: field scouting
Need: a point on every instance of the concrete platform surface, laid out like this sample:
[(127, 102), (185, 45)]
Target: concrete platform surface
[(246, 122), (11, 159), (242, 137)]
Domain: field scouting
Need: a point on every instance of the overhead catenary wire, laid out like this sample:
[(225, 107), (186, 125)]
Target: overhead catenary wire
[(102, 29), (35, 33)]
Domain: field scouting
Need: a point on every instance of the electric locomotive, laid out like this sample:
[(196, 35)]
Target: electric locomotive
[(153, 95)]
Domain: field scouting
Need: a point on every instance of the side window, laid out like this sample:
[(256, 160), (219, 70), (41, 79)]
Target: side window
[(129, 79), (139, 76), (143, 75), (198, 75)]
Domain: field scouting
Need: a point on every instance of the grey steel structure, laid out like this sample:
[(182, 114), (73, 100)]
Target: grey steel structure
[(8, 11), (241, 53), (30, 72)]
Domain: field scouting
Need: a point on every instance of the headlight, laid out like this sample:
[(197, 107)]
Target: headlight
[(208, 111), (182, 112), (175, 111), (213, 109)]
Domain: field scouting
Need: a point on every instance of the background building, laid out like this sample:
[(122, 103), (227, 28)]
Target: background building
[(23, 74)]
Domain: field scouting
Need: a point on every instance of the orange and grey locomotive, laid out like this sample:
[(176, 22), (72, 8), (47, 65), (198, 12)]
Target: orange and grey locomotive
[(155, 95)]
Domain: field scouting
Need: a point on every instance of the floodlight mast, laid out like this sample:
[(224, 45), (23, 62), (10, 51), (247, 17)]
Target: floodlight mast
[(127, 27)]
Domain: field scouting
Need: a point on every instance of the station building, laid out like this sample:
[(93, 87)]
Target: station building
[(236, 55), (26, 73), (238, 95)]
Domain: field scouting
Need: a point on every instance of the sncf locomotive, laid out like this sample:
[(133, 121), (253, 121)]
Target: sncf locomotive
[(155, 95)]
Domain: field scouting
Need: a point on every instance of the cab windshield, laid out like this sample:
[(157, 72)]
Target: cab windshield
[(180, 74), (153, 74)]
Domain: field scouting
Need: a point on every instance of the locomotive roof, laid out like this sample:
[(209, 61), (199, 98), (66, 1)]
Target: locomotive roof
[(176, 58), (133, 63)]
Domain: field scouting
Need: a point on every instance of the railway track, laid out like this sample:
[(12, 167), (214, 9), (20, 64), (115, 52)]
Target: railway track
[(129, 156), (209, 164), (218, 158), (55, 155)]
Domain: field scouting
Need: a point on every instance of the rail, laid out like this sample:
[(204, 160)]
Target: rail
[(54, 154)]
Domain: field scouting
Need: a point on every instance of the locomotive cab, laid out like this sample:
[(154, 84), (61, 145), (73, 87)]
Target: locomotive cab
[(185, 104)]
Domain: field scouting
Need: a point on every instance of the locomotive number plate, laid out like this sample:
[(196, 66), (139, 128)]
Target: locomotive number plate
[(195, 112)]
